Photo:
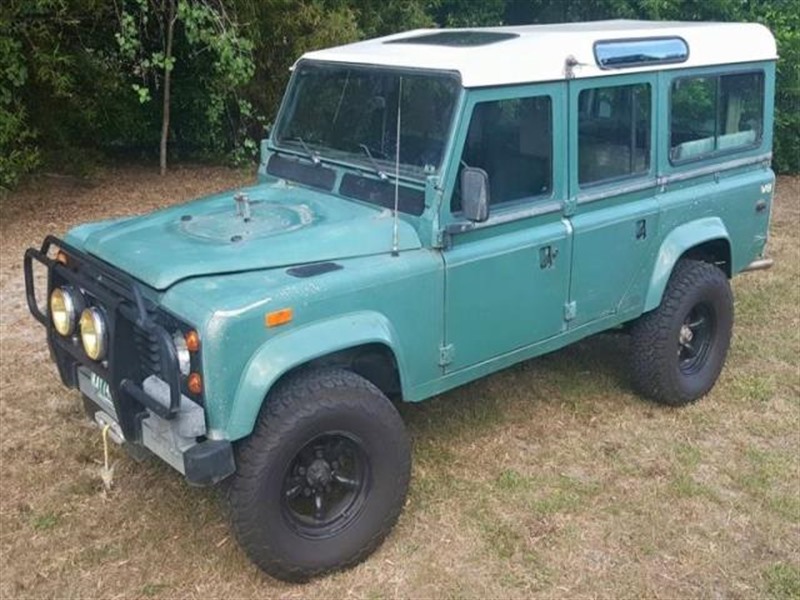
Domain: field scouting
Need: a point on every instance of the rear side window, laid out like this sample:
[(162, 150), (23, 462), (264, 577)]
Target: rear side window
[(714, 114), (613, 132), (512, 141)]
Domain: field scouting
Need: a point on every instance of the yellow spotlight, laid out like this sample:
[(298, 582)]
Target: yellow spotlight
[(63, 310), (94, 334)]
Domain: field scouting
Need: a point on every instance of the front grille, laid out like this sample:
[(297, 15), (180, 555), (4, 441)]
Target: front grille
[(147, 349)]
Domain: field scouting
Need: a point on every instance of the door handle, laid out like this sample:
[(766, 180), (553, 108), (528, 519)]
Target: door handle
[(547, 256), (641, 229)]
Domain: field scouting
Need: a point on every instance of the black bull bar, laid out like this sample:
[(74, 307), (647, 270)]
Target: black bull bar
[(125, 306)]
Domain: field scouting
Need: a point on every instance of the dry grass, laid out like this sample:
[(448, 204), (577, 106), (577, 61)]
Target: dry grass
[(550, 479)]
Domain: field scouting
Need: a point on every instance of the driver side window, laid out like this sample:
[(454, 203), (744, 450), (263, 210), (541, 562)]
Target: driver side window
[(512, 141)]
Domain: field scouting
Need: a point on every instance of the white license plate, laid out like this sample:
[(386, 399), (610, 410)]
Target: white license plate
[(95, 387), (100, 386)]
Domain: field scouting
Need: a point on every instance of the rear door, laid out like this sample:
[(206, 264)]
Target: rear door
[(612, 202)]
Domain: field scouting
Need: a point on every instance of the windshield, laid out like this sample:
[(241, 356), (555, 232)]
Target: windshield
[(349, 113)]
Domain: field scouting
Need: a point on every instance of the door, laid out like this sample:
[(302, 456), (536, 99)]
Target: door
[(612, 206), (506, 279)]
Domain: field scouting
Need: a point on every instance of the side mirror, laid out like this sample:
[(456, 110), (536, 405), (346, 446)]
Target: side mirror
[(475, 194)]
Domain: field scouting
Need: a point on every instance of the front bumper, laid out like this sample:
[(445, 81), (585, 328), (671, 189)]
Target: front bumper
[(149, 408)]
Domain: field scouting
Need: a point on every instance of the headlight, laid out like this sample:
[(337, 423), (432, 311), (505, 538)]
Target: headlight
[(93, 333), (63, 310)]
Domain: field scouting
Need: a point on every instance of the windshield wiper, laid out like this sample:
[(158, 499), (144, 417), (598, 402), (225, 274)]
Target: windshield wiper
[(312, 156), (381, 173)]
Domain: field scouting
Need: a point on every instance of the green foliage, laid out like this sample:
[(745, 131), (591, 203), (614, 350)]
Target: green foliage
[(465, 13), (783, 17), (212, 63), (71, 105), (83, 79), (18, 154)]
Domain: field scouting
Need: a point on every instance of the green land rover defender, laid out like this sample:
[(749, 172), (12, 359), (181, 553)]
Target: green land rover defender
[(431, 207)]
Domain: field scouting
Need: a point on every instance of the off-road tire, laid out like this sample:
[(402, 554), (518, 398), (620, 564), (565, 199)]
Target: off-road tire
[(305, 405), (655, 337)]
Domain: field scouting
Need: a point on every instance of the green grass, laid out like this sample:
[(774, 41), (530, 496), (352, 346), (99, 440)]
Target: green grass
[(543, 495), (754, 387), (153, 589), (45, 521), (782, 581)]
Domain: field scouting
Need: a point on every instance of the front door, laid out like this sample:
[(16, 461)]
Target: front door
[(506, 279)]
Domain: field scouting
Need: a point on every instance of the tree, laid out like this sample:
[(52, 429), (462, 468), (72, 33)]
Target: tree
[(147, 45)]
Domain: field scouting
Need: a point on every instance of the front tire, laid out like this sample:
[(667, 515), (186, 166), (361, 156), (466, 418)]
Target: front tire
[(679, 348), (323, 478)]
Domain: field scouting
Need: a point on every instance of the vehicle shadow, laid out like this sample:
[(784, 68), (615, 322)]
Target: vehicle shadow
[(578, 377)]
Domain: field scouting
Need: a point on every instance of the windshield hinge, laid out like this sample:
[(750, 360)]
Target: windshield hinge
[(441, 239), (446, 352), (570, 310)]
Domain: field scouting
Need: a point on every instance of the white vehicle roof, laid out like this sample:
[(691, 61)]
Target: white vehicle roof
[(535, 53)]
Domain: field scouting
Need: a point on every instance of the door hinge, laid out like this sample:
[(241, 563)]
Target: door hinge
[(570, 310), (446, 353)]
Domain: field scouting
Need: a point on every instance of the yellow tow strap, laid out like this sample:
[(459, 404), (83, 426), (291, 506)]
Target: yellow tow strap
[(106, 427), (106, 473)]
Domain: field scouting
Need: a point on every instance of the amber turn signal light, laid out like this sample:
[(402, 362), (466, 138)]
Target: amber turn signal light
[(192, 341), (195, 383), (279, 317)]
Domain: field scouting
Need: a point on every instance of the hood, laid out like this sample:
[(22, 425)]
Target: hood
[(288, 225)]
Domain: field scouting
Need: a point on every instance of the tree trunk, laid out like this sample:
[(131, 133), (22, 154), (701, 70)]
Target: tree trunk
[(167, 77)]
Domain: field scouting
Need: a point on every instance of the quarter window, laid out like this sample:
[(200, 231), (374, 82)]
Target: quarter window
[(613, 132), (512, 141), (715, 113)]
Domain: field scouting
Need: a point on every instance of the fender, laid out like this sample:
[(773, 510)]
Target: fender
[(678, 241), (296, 347)]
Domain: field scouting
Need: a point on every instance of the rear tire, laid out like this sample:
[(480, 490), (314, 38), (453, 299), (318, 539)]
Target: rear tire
[(679, 348), (323, 477)]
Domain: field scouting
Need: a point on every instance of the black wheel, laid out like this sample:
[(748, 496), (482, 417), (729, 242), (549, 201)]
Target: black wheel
[(680, 347), (323, 478)]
